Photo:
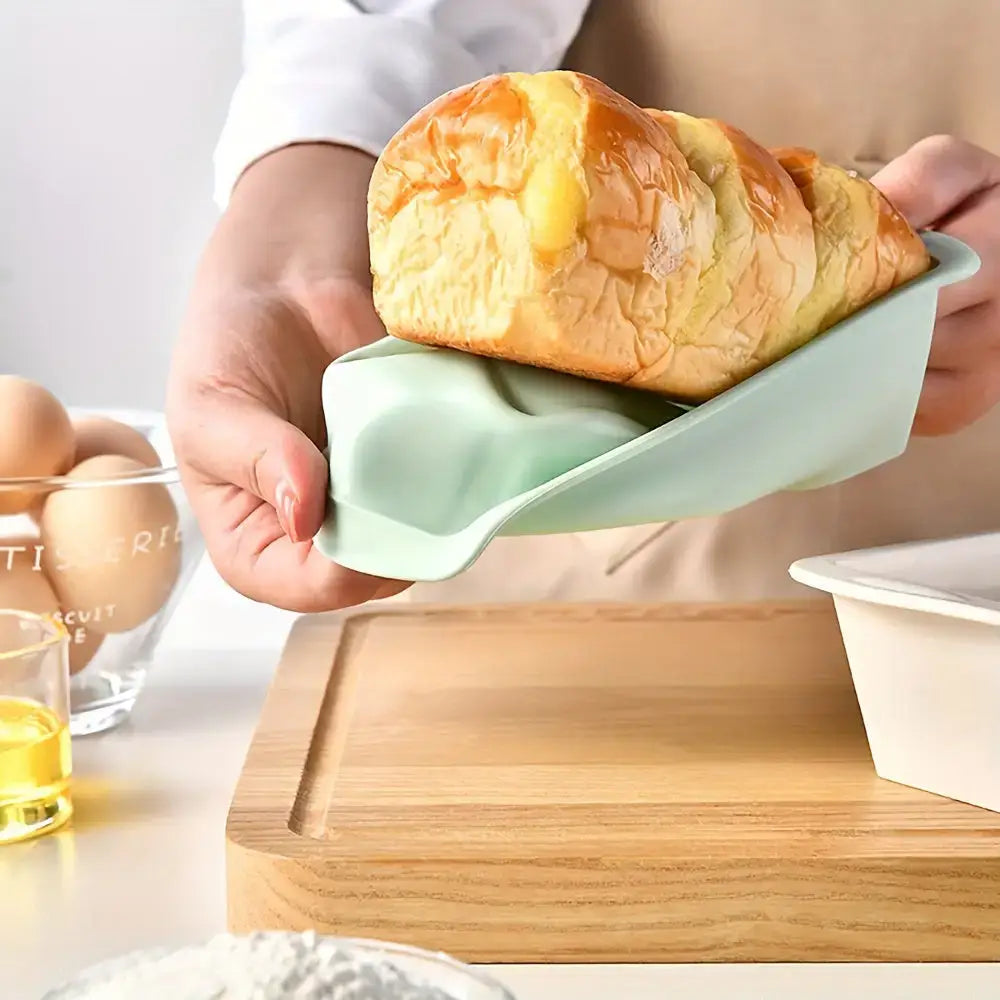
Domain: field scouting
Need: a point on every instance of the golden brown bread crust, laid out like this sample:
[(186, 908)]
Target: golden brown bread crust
[(640, 260), (763, 265), (864, 246), (545, 219), (456, 261), (475, 136)]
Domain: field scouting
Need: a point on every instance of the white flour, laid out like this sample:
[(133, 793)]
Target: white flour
[(265, 966)]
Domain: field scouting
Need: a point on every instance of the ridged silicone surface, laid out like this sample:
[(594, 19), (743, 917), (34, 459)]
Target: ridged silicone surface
[(433, 452)]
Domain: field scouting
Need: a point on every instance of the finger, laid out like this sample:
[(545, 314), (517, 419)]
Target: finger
[(256, 558), (257, 484), (954, 398), (228, 438), (951, 401), (966, 340), (936, 175), (977, 224)]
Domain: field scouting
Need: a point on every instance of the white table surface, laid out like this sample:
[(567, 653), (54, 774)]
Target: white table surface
[(142, 863)]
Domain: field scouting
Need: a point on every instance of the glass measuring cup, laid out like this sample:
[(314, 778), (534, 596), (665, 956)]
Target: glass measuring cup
[(35, 757)]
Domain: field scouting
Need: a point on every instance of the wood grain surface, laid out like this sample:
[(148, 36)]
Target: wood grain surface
[(596, 784)]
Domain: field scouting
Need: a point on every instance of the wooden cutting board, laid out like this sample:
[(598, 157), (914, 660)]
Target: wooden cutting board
[(596, 784)]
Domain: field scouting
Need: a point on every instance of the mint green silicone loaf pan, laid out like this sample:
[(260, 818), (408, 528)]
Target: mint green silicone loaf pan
[(434, 452)]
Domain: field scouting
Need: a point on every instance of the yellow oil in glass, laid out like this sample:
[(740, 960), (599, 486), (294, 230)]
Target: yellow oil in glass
[(34, 769)]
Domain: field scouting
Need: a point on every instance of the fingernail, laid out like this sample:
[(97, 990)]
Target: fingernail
[(286, 505)]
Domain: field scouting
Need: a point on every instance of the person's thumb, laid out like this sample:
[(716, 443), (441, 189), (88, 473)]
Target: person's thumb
[(239, 441), (934, 177)]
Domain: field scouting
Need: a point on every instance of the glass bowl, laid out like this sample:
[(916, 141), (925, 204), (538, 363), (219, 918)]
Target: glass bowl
[(430, 970), (108, 553)]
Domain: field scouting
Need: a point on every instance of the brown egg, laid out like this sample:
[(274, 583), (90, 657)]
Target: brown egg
[(103, 436), (84, 642), (113, 549), (36, 438), (24, 587)]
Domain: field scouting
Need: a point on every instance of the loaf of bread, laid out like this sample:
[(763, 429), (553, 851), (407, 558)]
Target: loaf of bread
[(864, 246), (545, 219)]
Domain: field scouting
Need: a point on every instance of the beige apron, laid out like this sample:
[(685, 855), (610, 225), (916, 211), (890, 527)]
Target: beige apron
[(859, 81)]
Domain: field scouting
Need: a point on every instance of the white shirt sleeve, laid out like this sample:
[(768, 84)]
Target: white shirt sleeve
[(353, 71)]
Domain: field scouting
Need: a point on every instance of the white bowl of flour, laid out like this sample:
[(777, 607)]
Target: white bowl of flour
[(282, 966)]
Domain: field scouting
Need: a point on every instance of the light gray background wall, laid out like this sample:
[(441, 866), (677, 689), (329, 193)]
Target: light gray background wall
[(109, 111)]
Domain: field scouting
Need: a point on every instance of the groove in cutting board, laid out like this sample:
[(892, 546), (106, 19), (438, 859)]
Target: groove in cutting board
[(312, 801), (591, 783)]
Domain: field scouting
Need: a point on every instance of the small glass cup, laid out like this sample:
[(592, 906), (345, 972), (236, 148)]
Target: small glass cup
[(35, 757)]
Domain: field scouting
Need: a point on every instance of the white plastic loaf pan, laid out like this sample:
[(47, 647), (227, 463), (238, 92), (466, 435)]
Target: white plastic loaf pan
[(921, 627)]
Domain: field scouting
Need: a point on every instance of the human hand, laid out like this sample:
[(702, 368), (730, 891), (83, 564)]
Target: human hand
[(952, 186), (283, 288)]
